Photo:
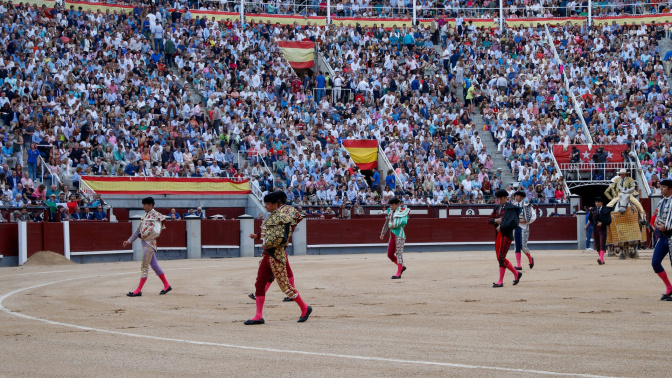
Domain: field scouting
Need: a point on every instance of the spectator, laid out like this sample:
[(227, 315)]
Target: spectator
[(100, 214), (173, 215)]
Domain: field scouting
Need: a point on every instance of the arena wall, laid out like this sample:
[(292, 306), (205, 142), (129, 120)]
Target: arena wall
[(97, 241)]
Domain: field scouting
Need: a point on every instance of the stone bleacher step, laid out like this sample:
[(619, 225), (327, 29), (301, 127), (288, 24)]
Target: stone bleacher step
[(498, 159)]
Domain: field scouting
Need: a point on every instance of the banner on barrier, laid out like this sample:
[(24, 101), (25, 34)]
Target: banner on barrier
[(637, 20), (166, 185), (586, 152), (285, 20), (388, 23)]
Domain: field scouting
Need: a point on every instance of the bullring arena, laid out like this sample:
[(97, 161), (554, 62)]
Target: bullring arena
[(347, 108), (568, 317)]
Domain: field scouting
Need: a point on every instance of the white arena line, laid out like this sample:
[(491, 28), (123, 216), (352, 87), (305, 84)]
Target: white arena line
[(110, 268), (243, 347), (98, 265)]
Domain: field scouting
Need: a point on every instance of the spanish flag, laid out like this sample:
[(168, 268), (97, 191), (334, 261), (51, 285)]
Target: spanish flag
[(167, 185), (300, 55), (363, 152)]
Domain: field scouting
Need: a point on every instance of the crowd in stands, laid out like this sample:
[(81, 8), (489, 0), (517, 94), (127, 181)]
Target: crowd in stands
[(622, 85), (110, 94)]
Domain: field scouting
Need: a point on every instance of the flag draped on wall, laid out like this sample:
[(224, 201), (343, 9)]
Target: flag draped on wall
[(363, 152), (300, 55), (166, 185), (53, 206), (614, 152)]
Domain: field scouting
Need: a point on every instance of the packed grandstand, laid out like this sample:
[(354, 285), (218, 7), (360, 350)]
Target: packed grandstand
[(459, 107)]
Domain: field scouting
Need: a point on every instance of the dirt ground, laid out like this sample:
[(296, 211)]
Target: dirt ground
[(568, 316)]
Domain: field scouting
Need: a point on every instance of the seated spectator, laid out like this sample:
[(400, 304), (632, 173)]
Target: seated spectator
[(62, 214), (100, 214), (199, 213), (77, 214), (174, 215), (35, 216), (88, 215)]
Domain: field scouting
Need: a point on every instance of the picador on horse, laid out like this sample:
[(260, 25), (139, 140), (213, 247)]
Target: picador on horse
[(628, 226)]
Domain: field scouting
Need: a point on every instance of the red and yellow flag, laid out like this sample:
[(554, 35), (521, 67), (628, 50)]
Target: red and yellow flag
[(363, 152), (299, 54), (166, 185)]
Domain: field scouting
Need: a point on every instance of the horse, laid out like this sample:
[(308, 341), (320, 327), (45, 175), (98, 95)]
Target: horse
[(628, 219)]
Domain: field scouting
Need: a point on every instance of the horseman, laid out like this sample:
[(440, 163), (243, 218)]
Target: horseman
[(620, 184)]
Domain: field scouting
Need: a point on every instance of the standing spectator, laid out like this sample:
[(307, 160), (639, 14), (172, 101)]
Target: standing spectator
[(33, 155)]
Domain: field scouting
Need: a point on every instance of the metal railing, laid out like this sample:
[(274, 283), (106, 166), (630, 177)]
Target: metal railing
[(252, 156), (86, 190), (591, 172), (629, 8), (45, 168), (346, 94), (256, 190), (535, 10), (577, 108), (642, 177), (323, 62), (565, 188)]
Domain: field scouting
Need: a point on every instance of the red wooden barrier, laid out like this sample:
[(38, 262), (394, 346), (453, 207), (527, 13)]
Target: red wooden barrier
[(98, 236), (231, 212), (175, 234), (35, 237), (425, 230), (44, 236), (257, 230), (52, 236), (121, 214), (9, 239), (553, 228), (220, 232)]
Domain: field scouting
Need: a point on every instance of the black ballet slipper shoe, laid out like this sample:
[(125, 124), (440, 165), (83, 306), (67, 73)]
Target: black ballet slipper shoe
[(305, 317), (166, 291), (288, 299), (519, 268), (396, 277), (665, 297), (520, 275), (497, 285), (532, 263), (253, 322), (252, 296), (599, 262), (132, 294), (403, 269)]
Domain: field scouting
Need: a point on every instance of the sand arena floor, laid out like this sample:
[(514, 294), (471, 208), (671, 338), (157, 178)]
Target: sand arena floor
[(568, 316)]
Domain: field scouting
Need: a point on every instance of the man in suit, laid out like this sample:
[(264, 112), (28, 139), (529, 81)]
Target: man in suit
[(87, 214), (77, 214), (600, 219), (100, 214), (13, 180)]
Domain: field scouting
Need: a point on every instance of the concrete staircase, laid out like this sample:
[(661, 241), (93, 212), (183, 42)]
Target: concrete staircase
[(194, 95), (491, 146)]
